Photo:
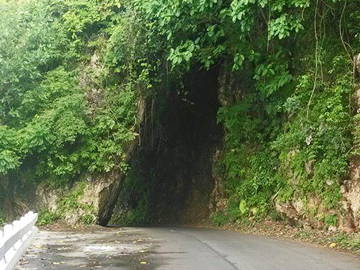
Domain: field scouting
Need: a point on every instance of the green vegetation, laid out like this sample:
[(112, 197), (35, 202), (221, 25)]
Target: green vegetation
[(73, 74), (47, 217), (2, 220), (348, 242), (341, 240), (60, 104)]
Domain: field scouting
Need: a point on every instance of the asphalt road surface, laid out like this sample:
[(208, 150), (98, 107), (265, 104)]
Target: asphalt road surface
[(176, 249)]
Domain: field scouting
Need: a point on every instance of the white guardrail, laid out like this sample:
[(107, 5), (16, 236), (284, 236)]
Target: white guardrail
[(15, 238)]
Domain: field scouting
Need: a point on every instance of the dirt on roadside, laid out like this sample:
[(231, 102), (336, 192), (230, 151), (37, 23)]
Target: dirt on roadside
[(345, 242)]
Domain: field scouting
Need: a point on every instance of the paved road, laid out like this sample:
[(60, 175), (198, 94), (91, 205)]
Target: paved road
[(176, 249)]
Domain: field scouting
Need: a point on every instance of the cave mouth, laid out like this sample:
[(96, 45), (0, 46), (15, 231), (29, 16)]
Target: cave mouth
[(171, 177)]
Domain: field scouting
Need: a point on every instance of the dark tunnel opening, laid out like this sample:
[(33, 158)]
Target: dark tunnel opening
[(171, 180)]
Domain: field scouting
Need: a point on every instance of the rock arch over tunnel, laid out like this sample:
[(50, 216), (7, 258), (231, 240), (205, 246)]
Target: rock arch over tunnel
[(171, 180)]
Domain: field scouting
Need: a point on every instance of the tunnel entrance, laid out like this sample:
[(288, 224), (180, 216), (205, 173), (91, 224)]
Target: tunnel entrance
[(171, 173)]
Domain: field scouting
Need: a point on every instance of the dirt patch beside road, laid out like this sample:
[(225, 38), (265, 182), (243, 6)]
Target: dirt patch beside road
[(348, 242)]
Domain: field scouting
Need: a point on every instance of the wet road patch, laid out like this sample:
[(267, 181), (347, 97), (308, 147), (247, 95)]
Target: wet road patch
[(103, 249)]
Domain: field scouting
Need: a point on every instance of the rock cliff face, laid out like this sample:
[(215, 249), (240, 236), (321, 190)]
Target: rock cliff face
[(351, 198), (176, 171), (351, 186), (307, 210), (86, 201), (171, 177)]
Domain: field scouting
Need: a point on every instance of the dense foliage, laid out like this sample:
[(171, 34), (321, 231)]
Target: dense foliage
[(60, 104), (72, 72)]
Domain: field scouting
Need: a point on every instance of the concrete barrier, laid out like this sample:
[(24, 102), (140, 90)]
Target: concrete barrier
[(15, 238)]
